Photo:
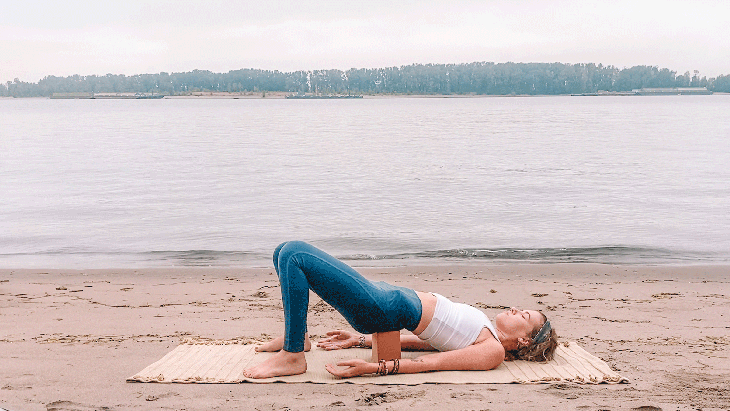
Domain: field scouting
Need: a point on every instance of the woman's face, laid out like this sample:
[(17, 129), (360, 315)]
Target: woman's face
[(519, 323)]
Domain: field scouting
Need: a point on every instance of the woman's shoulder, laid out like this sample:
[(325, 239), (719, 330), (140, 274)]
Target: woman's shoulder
[(491, 350), (486, 336)]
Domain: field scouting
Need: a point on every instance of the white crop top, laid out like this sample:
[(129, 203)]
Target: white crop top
[(455, 325)]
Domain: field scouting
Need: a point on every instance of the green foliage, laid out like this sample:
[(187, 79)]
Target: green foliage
[(721, 84), (485, 78)]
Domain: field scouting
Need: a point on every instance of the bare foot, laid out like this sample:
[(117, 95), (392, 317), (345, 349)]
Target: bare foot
[(279, 364), (277, 344)]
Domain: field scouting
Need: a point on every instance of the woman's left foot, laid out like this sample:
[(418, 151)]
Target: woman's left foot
[(277, 344)]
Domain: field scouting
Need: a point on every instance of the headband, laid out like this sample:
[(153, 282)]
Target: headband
[(542, 334)]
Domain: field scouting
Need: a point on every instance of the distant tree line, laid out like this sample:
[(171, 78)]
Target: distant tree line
[(482, 78)]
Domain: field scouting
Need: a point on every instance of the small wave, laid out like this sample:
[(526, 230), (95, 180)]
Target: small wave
[(604, 254), (146, 259), (203, 258), (217, 258)]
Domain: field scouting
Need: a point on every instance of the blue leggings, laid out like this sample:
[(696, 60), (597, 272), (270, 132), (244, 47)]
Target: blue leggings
[(368, 306)]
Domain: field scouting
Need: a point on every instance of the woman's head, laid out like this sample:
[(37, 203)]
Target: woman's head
[(526, 335)]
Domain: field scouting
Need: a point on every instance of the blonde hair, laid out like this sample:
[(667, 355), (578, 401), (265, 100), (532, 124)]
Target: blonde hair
[(543, 351)]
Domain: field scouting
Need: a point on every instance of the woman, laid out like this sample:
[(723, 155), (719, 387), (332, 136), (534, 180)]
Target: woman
[(463, 335)]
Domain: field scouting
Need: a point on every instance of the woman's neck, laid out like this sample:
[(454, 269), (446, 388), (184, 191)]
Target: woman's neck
[(509, 343)]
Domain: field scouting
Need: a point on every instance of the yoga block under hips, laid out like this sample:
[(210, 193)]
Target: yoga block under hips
[(386, 346)]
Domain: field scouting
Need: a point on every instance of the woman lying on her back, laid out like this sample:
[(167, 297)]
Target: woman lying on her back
[(465, 337)]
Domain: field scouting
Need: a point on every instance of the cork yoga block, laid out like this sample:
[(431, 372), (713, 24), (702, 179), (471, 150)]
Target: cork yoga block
[(386, 346)]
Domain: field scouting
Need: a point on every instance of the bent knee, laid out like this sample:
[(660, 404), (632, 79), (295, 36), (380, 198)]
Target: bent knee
[(294, 245), (289, 247), (278, 248)]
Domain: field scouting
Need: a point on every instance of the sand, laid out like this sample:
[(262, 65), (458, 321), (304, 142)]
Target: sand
[(69, 339)]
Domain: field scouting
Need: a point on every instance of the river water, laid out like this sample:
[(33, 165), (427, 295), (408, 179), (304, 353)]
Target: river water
[(220, 182)]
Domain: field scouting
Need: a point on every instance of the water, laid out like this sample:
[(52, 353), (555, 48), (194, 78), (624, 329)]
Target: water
[(155, 183)]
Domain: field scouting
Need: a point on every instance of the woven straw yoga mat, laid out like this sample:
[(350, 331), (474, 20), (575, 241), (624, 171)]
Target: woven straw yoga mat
[(215, 362)]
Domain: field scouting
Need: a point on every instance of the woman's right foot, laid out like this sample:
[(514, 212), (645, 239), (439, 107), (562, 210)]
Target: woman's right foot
[(279, 364), (277, 344)]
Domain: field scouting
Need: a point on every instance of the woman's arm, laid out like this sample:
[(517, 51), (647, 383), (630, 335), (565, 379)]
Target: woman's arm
[(476, 357), (341, 339), (483, 356)]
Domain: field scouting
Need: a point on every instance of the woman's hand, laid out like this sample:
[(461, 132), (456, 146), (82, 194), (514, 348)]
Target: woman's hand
[(354, 368), (339, 339)]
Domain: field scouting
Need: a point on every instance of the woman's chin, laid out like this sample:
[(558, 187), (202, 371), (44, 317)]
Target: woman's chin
[(500, 317)]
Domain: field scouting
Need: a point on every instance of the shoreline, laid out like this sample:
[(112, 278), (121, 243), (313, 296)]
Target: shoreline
[(275, 95), (102, 263), (69, 338), (606, 255)]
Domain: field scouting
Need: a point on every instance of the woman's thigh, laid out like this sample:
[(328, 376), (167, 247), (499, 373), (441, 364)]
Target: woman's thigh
[(368, 306)]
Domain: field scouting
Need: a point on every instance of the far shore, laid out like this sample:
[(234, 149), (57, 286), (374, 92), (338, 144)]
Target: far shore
[(279, 94), (282, 95)]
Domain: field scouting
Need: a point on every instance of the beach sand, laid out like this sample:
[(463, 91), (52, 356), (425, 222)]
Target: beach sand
[(69, 339)]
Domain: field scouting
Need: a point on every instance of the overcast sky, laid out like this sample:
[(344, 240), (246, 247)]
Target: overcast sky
[(61, 38)]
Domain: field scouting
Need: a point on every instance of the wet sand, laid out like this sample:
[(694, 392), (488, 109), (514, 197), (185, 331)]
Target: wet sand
[(69, 339)]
